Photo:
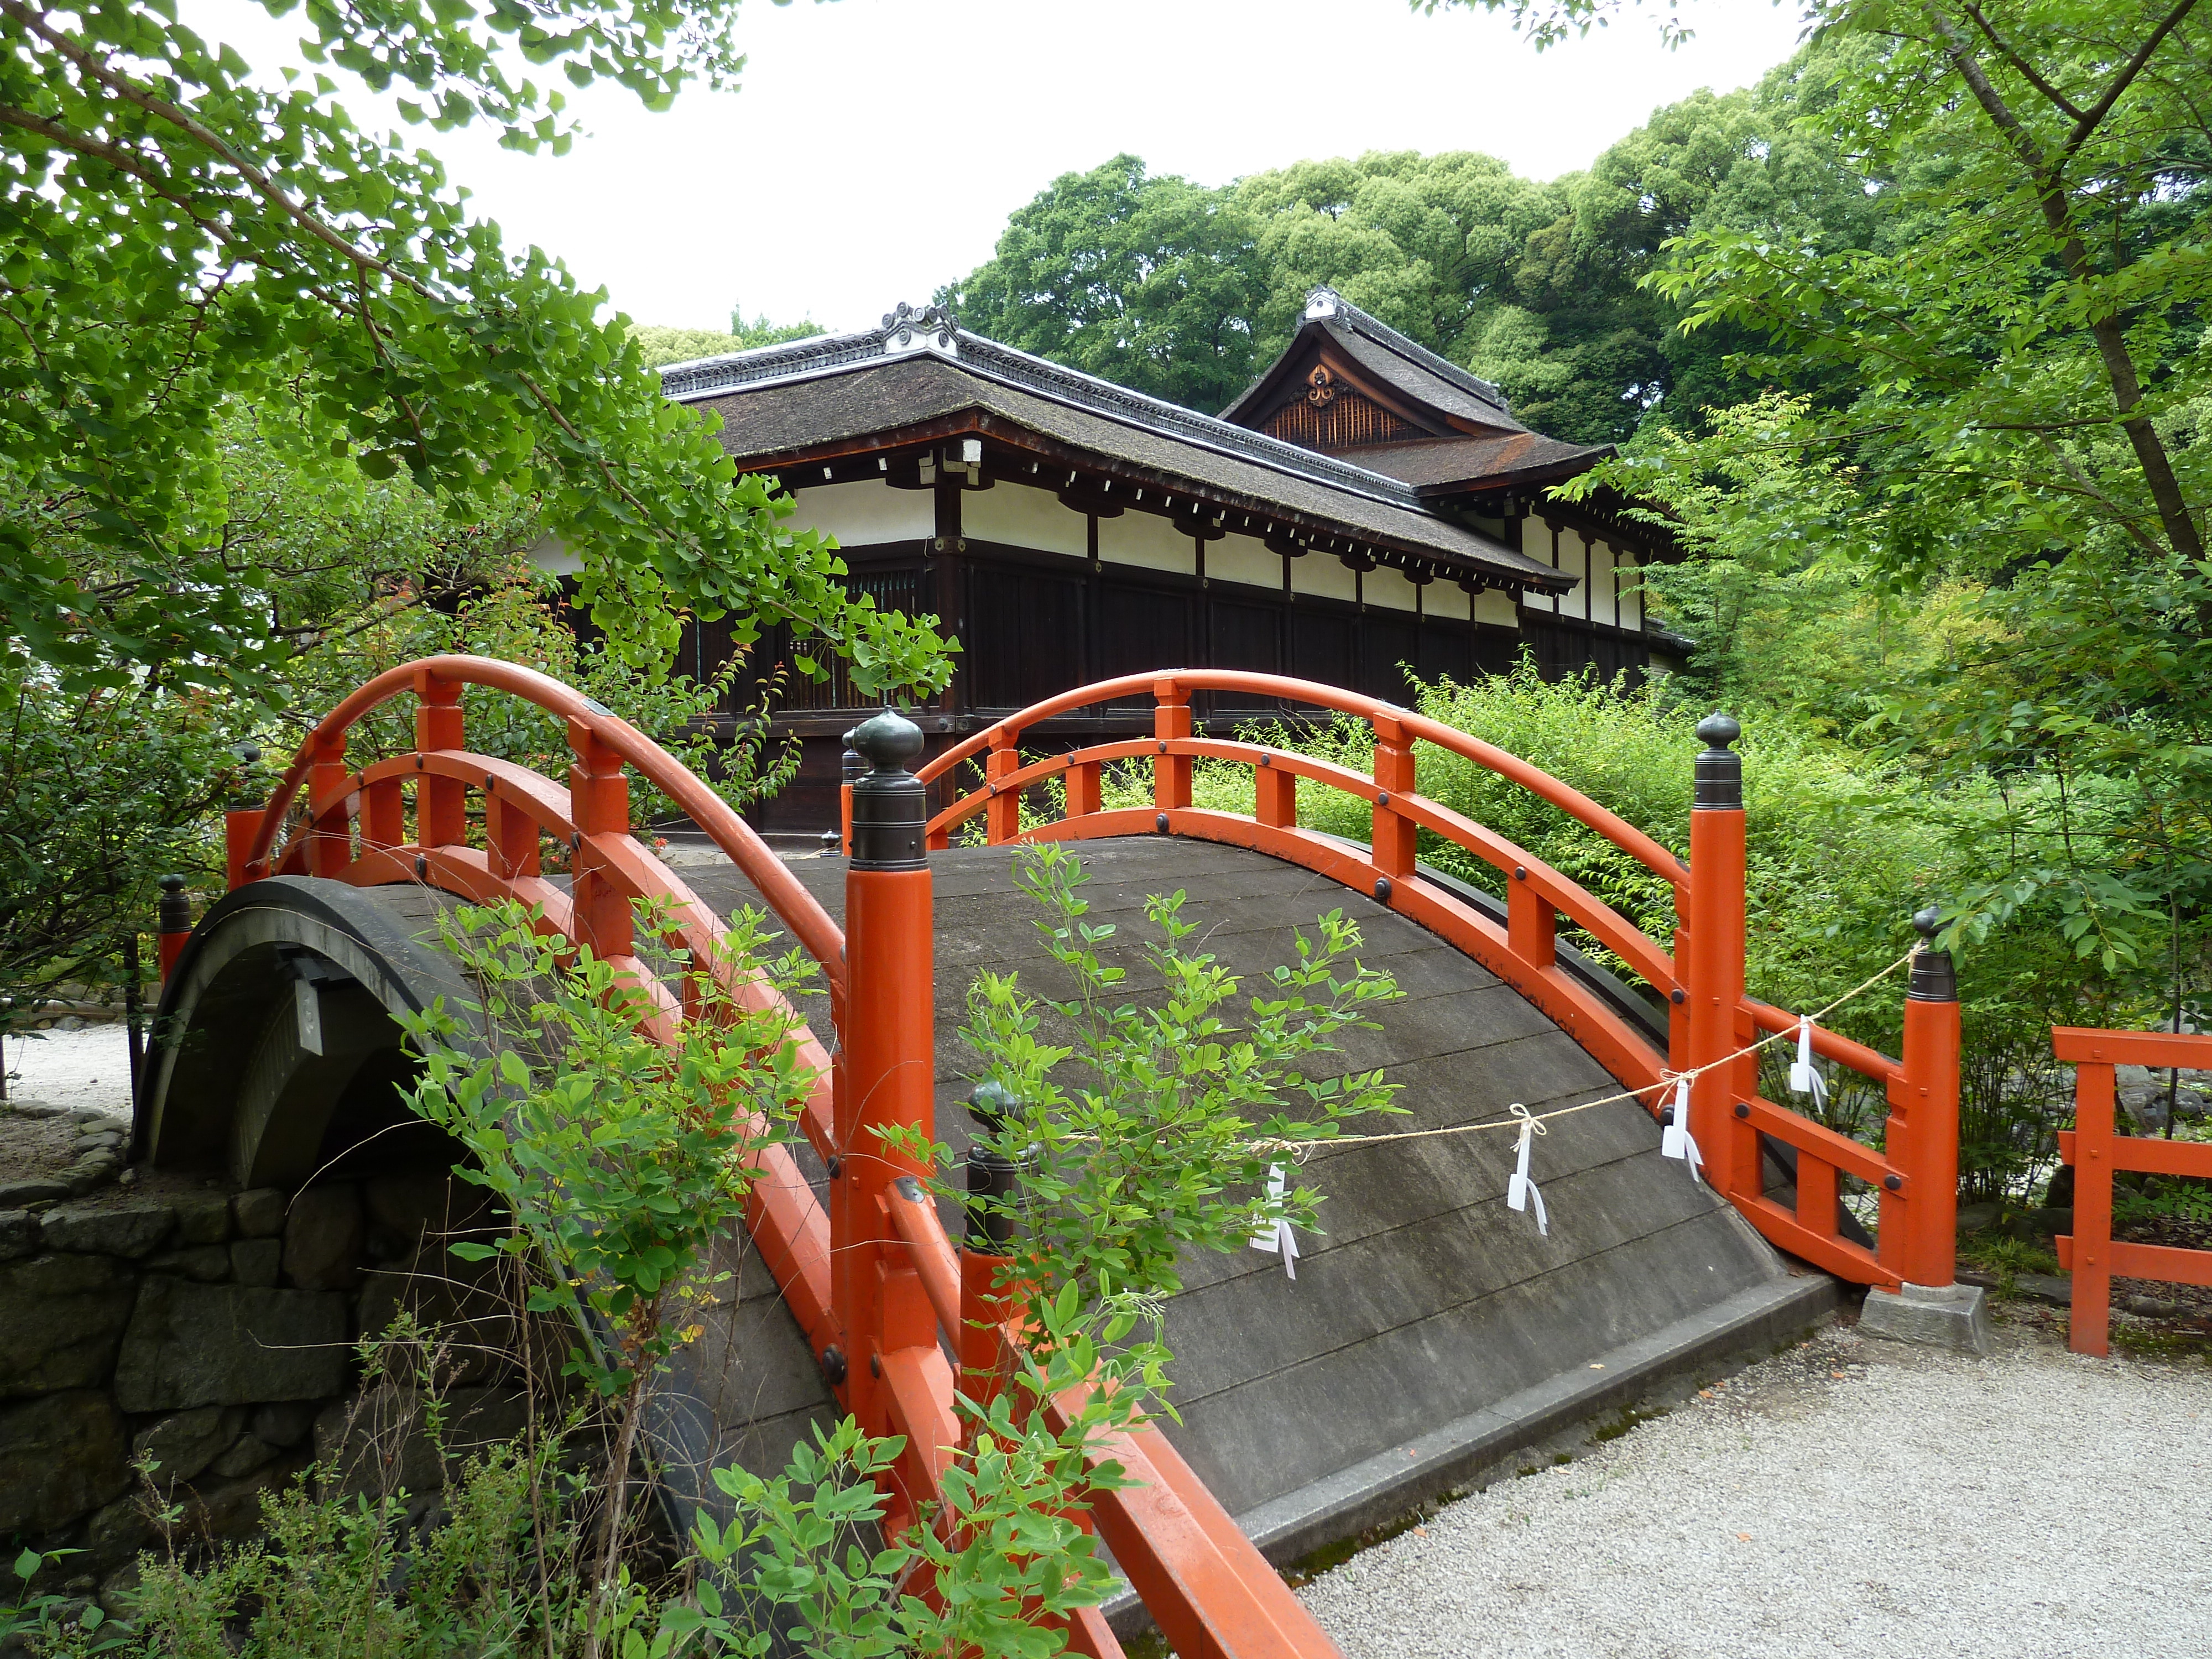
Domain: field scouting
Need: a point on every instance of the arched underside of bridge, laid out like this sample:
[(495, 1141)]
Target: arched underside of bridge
[(1431, 1331)]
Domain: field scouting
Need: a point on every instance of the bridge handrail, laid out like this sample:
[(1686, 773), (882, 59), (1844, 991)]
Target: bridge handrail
[(796, 907), (1623, 834)]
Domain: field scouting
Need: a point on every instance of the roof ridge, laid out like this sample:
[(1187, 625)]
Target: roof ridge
[(1325, 304), (934, 330)]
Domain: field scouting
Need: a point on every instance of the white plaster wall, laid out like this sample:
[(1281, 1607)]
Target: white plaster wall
[(1446, 600), (864, 511), (1324, 576), (555, 556), (1631, 598), (1499, 610), (1023, 516), (1146, 539), (1244, 559), (1536, 542), (1605, 605), (1573, 561), (1392, 589)]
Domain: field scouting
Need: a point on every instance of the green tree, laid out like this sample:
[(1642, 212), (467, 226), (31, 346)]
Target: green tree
[(658, 345), (179, 238), (1149, 282)]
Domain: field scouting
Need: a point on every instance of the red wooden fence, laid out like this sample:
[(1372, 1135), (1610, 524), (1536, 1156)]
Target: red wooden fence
[(2097, 1151)]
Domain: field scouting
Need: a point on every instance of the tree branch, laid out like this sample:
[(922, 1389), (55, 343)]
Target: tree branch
[(2028, 71), (2093, 116)]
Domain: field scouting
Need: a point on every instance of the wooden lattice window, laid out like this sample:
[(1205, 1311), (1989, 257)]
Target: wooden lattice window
[(1345, 420)]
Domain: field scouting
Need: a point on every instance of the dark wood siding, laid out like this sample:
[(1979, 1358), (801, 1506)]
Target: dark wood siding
[(1026, 635)]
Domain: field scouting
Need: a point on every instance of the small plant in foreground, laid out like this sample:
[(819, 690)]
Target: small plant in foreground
[(619, 1140)]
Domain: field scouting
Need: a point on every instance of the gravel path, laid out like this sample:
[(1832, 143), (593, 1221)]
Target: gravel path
[(89, 1067), (1850, 1497)]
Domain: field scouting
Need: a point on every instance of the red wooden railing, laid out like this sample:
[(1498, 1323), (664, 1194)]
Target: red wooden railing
[(2097, 1151), (872, 1280), (1711, 1021)]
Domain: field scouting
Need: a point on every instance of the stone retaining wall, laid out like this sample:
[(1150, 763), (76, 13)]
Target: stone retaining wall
[(214, 1333)]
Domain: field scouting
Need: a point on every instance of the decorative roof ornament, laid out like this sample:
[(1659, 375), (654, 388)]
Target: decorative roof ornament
[(932, 328), (1323, 301), (1321, 387)]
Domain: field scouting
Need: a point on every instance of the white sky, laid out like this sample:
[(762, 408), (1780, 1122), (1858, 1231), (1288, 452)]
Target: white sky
[(878, 146)]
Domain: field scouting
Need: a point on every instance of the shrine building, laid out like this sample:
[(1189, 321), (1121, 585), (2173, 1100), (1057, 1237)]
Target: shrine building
[(1365, 509)]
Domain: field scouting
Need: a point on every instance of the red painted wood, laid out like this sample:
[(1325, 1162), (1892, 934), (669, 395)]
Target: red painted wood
[(2090, 1321)]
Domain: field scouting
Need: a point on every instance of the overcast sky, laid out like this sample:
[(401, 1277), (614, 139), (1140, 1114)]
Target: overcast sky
[(878, 146)]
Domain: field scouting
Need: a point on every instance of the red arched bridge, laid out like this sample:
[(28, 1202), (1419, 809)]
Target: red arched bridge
[(333, 879)]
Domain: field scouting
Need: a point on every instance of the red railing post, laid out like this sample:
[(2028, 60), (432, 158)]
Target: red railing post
[(329, 850), (2089, 1323), (888, 1064), (172, 923), (441, 803), (1085, 794), (1922, 1136), (986, 1302), (1714, 977), (239, 825), (851, 766), (1002, 818), (1391, 834), (598, 804), (1274, 796), (1170, 720)]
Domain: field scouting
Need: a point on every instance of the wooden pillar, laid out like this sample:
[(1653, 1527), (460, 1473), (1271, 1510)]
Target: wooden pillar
[(1391, 833), (2089, 1324), (440, 803), (1715, 978), (1923, 1122), (1002, 816), (329, 840), (1170, 719), (599, 802), (887, 1070)]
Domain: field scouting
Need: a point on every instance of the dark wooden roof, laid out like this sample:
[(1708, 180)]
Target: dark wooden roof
[(1351, 387), (1443, 466), (921, 377)]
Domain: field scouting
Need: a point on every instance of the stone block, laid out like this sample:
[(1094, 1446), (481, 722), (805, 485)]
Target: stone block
[(203, 1219), (323, 1239), (1952, 1316), (228, 1511), (244, 1455), (120, 1530), (63, 1315), (286, 1423), (60, 1457), (379, 1446), (119, 1591), (19, 1234), (39, 1189), (255, 1261), (91, 1172), (259, 1213), (133, 1230), (205, 1264), (184, 1443), (229, 1345)]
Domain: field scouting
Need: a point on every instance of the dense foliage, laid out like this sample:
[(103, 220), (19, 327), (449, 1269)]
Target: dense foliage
[(181, 238), (1187, 292)]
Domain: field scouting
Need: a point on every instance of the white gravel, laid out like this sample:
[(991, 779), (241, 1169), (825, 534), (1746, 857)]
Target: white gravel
[(2026, 1504), (90, 1067)]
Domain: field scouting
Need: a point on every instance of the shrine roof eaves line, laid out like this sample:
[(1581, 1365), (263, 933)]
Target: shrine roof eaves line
[(987, 359)]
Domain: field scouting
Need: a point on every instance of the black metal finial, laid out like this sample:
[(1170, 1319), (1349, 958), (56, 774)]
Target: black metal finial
[(890, 812), (993, 1177), (174, 914), (1719, 769), (1935, 979)]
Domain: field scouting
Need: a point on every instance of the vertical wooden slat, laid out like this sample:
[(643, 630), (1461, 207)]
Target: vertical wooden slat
[(2089, 1326)]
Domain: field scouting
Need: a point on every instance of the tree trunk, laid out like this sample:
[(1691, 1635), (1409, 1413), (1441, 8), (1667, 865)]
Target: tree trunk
[(603, 1575)]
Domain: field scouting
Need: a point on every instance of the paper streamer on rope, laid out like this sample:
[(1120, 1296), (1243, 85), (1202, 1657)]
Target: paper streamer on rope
[(1520, 1189), (1804, 1078), (1276, 1235), (1675, 1140)]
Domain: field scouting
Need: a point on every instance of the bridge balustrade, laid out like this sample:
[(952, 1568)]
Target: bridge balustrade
[(1712, 1023), (2097, 1151)]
